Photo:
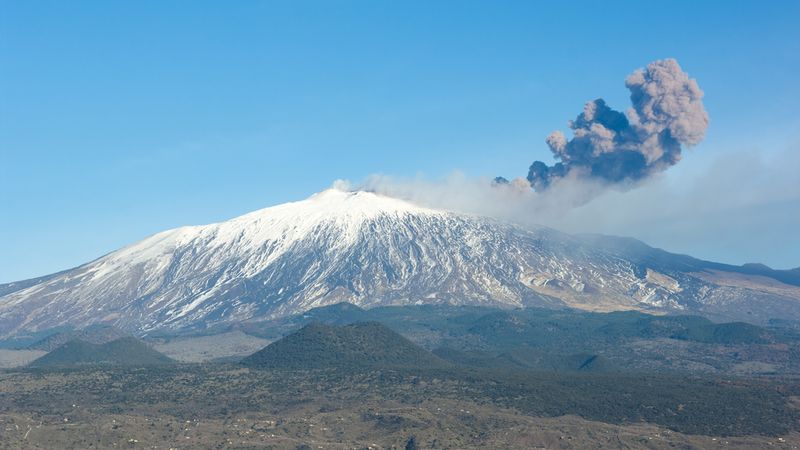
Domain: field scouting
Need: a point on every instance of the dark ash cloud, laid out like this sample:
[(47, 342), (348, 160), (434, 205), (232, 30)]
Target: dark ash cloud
[(611, 147)]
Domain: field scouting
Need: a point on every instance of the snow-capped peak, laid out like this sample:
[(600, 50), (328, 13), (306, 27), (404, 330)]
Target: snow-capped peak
[(339, 204), (277, 227), (337, 245)]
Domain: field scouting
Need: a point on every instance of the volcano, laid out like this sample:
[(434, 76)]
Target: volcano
[(372, 250)]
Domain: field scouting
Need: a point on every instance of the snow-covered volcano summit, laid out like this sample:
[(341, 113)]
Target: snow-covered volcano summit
[(334, 246), (259, 238), (337, 246)]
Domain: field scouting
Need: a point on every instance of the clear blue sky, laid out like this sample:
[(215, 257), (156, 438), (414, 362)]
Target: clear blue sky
[(121, 119)]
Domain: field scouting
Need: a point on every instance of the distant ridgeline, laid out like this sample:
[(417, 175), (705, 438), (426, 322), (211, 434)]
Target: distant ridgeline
[(534, 326), (94, 334), (541, 339)]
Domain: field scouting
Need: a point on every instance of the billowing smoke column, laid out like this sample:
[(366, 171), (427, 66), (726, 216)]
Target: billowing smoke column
[(616, 148)]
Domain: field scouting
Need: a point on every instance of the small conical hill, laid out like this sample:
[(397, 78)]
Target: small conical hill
[(127, 351), (360, 345)]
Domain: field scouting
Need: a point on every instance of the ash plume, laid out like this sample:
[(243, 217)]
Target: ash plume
[(619, 149)]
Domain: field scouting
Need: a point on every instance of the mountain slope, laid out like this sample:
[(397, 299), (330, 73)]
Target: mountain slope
[(363, 344), (93, 334), (125, 351), (372, 250)]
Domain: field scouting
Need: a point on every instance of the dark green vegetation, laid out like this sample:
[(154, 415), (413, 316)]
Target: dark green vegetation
[(363, 344), (538, 325), (686, 404), (546, 339), (126, 351)]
